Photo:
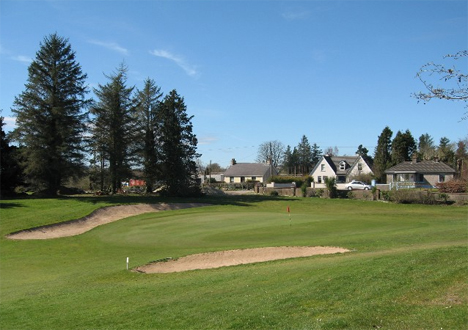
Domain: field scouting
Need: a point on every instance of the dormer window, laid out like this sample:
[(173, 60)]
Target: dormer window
[(342, 165)]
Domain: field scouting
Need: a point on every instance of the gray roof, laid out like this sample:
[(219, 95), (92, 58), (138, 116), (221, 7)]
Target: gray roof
[(249, 169), (428, 166), (334, 162)]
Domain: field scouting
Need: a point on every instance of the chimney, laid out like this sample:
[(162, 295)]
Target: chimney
[(414, 158), (233, 161)]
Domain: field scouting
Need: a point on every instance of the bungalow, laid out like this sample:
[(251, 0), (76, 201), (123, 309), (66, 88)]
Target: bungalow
[(419, 173), (243, 172), (342, 168)]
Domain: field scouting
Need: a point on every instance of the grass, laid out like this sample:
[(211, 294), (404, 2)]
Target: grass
[(408, 268)]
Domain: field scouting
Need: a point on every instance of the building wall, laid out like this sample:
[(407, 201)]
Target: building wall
[(355, 171), (237, 179), (327, 172), (431, 179)]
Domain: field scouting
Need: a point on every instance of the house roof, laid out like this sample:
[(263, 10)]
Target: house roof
[(428, 166), (249, 169), (335, 161)]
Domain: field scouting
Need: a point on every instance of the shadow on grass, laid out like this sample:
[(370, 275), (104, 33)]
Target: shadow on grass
[(237, 200), (10, 205)]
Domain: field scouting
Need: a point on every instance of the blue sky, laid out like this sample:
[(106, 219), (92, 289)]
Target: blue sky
[(337, 72)]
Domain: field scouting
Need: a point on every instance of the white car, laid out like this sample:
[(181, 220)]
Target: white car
[(357, 185)]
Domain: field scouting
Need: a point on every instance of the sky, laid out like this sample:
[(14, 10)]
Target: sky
[(255, 71)]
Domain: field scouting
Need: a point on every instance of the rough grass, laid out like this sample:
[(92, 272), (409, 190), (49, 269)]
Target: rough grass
[(407, 271)]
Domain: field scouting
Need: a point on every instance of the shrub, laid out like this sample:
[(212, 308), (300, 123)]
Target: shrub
[(274, 193), (452, 186), (411, 196)]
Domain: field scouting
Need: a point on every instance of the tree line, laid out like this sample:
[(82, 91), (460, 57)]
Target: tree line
[(58, 129), (390, 150)]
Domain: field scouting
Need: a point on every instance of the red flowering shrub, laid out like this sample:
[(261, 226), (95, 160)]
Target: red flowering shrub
[(453, 186)]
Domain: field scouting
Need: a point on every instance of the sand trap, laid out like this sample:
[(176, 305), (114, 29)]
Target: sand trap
[(235, 257), (97, 218)]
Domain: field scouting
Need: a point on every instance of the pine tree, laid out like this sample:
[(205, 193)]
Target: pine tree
[(115, 127), (403, 147), (51, 115), (316, 154), (426, 148), (10, 171), (178, 145), (382, 154), (148, 106), (304, 152)]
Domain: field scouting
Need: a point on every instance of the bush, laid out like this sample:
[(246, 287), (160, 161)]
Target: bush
[(274, 193), (411, 196), (452, 186), (299, 180)]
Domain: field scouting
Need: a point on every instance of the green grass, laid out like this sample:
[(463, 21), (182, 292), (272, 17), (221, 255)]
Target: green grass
[(407, 268)]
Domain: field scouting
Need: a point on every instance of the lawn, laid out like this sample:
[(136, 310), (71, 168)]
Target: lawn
[(407, 268)]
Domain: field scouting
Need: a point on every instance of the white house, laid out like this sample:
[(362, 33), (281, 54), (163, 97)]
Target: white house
[(342, 168)]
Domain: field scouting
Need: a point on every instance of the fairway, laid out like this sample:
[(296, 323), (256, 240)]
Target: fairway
[(406, 269)]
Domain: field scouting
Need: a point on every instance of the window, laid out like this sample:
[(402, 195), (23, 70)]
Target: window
[(242, 178), (342, 165), (322, 167), (325, 178), (254, 178), (319, 179), (359, 167), (441, 177), (231, 179)]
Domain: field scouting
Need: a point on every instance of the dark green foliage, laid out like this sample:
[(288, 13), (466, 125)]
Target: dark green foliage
[(305, 157), (363, 152), (382, 155), (115, 128), (51, 116), (331, 187), (148, 106), (403, 147), (10, 171), (177, 144)]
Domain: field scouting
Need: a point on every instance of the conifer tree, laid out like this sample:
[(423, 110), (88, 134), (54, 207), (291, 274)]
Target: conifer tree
[(403, 147), (177, 144), (148, 106), (114, 127), (382, 154), (304, 151), (51, 115), (10, 171)]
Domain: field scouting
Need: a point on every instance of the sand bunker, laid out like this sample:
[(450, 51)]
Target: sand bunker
[(235, 257), (97, 218)]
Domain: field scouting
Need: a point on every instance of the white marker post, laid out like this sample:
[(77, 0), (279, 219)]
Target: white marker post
[(127, 262)]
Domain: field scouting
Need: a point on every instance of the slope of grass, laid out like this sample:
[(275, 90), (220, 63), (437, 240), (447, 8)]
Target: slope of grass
[(407, 269)]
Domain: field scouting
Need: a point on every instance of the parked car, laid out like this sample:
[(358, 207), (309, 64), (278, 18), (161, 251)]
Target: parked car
[(357, 185)]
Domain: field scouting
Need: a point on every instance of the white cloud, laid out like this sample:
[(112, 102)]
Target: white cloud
[(206, 140), (22, 59), (111, 45), (189, 69)]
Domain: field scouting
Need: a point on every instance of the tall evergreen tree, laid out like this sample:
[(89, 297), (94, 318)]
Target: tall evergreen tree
[(10, 171), (403, 147), (115, 126), (426, 148), (149, 104), (51, 115), (382, 154), (364, 153), (316, 154), (178, 147), (445, 152), (304, 152)]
